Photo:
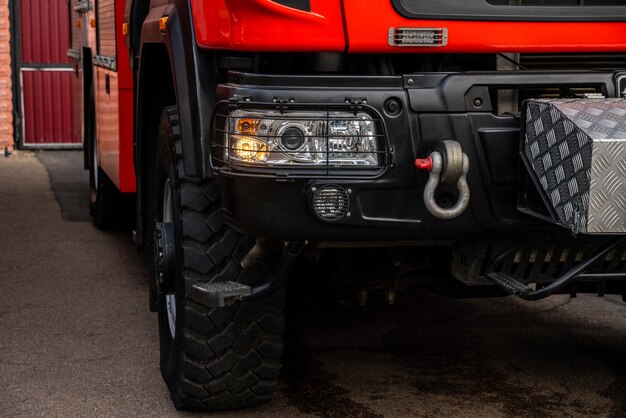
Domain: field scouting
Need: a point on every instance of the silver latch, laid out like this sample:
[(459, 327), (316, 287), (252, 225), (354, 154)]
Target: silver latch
[(593, 96), (577, 221)]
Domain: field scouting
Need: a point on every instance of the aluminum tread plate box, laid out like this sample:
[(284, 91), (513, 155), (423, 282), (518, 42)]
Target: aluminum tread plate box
[(577, 150)]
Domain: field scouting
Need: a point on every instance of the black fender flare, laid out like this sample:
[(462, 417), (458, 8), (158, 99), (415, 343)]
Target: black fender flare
[(195, 81)]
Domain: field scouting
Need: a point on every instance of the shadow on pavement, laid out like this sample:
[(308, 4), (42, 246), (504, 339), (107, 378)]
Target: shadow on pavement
[(70, 183)]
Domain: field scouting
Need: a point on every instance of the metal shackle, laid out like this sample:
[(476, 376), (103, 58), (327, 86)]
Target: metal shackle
[(435, 165)]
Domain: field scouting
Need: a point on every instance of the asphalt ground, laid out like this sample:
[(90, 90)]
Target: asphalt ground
[(76, 337)]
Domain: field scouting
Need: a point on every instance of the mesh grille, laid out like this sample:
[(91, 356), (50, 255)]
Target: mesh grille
[(418, 37), (331, 202)]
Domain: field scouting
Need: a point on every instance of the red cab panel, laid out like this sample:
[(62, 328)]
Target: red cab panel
[(264, 25), (114, 98), (368, 29)]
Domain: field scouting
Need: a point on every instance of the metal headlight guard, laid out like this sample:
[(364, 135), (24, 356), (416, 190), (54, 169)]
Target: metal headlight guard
[(298, 139)]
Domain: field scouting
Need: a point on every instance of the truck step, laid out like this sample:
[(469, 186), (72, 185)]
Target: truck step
[(519, 289), (509, 284), (219, 294)]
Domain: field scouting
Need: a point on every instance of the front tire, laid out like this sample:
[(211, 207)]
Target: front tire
[(214, 358)]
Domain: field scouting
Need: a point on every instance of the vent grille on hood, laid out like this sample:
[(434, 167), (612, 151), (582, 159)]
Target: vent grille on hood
[(418, 37), (564, 62)]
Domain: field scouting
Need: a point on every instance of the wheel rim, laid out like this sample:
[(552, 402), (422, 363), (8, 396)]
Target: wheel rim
[(170, 302), (170, 298)]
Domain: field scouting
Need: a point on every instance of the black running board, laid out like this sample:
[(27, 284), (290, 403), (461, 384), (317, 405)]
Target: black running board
[(522, 291)]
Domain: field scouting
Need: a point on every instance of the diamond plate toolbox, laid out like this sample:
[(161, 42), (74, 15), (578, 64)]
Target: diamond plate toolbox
[(576, 149)]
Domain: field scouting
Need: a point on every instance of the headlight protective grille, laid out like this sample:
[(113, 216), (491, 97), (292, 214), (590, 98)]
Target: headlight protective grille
[(298, 137)]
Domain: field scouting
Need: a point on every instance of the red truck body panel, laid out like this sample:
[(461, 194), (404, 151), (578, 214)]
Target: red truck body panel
[(114, 105), (262, 25), (367, 29)]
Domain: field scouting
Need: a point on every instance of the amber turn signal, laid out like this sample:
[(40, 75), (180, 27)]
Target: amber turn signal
[(248, 126), (163, 23)]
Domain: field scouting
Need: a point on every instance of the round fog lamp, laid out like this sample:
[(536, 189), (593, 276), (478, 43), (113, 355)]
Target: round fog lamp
[(292, 138), (330, 202)]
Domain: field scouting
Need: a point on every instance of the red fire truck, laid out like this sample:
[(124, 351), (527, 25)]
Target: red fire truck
[(488, 135)]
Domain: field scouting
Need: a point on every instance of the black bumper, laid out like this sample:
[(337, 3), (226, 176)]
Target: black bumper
[(387, 205)]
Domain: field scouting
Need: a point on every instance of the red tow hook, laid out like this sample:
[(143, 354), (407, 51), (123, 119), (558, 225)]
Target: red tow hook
[(425, 164)]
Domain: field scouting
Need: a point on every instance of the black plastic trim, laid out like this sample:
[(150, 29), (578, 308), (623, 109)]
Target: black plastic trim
[(456, 92), (480, 10), (304, 5), (306, 81), (195, 81)]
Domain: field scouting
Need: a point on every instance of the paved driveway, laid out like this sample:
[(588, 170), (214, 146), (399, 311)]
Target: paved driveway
[(76, 338)]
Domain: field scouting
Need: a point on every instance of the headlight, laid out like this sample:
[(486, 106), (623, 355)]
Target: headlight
[(301, 138)]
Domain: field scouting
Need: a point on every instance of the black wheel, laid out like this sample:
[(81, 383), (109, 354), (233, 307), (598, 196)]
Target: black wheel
[(108, 207), (211, 359)]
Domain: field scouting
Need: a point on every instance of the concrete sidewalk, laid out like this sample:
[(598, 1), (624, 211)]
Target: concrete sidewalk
[(76, 337)]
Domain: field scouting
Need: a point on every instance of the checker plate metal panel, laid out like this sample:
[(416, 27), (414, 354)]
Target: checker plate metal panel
[(577, 150)]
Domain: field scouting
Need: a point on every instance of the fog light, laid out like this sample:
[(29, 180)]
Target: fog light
[(330, 202)]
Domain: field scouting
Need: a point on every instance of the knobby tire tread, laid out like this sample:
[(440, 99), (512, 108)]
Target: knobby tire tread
[(231, 356)]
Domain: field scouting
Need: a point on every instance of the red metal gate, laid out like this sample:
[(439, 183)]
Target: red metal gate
[(46, 75)]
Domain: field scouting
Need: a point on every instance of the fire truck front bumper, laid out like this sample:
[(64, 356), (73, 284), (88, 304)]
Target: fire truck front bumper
[(346, 159)]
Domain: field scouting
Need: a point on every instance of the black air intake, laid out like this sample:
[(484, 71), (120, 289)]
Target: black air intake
[(303, 5), (569, 62)]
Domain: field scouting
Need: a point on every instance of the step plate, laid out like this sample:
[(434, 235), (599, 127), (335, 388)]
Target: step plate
[(509, 284), (577, 151), (219, 294)]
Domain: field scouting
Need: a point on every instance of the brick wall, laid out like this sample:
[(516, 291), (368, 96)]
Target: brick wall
[(6, 97)]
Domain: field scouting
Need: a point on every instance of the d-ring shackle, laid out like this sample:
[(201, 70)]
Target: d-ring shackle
[(449, 169)]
